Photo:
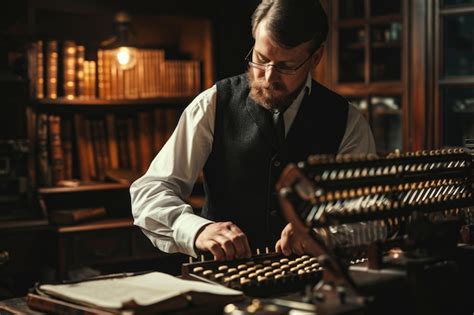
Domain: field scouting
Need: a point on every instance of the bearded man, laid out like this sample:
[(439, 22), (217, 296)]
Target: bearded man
[(242, 132)]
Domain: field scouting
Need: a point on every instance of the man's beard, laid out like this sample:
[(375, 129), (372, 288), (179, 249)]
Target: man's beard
[(262, 93)]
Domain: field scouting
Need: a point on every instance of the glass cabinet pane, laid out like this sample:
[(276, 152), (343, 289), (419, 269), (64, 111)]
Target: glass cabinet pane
[(458, 50), (378, 7), (386, 64), (386, 122), (458, 115), (351, 9), (457, 2), (351, 54), (386, 45)]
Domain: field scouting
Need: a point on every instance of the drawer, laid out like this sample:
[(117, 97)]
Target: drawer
[(103, 246)]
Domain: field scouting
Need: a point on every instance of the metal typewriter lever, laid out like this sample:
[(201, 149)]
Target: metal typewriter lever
[(293, 184)]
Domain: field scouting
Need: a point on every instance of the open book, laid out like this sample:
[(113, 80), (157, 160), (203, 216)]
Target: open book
[(146, 293)]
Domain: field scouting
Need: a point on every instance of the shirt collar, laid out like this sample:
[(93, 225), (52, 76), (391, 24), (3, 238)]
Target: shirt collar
[(297, 102)]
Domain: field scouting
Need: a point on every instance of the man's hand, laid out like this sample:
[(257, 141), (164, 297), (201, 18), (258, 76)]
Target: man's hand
[(290, 242), (224, 240)]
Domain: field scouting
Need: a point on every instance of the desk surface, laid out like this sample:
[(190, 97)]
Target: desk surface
[(16, 306)]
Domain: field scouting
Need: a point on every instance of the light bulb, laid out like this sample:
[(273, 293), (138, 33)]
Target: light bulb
[(126, 57)]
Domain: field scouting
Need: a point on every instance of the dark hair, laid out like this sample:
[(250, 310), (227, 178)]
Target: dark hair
[(293, 22)]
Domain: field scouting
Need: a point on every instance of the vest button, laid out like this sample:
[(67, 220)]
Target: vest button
[(276, 163), (273, 213)]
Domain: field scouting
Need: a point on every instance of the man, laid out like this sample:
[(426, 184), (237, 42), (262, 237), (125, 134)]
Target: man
[(242, 132)]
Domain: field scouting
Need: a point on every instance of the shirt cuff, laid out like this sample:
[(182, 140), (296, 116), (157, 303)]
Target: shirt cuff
[(188, 225)]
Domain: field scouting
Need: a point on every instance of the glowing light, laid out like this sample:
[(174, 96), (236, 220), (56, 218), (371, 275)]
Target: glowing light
[(126, 57)]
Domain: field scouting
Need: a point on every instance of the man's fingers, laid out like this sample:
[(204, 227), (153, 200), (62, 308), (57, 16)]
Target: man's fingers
[(285, 245), (227, 245), (215, 249), (240, 241), (278, 246)]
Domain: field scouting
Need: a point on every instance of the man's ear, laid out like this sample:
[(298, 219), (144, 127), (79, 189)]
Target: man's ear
[(317, 56)]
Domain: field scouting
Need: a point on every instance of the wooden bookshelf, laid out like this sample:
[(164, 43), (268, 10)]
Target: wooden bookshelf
[(83, 188), (102, 102), (97, 225)]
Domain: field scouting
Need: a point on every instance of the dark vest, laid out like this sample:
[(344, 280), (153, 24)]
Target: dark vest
[(245, 163)]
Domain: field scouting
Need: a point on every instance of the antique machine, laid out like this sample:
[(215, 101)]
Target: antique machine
[(383, 235)]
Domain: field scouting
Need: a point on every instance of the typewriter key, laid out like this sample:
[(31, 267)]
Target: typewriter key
[(207, 273), (223, 268), (198, 269)]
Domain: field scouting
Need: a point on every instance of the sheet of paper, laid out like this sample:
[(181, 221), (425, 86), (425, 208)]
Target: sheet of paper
[(143, 289)]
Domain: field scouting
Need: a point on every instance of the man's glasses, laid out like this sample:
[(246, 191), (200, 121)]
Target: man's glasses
[(280, 68)]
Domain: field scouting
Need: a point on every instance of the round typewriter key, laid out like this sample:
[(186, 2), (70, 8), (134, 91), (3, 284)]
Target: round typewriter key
[(277, 271), (217, 276), (267, 268), (284, 260), (278, 277), (268, 274), (276, 264), (206, 273), (252, 275), (244, 281), (223, 268), (231, 270), (250, 263), (294, 269), (313, 259), (259, 271), (267, 262), (258, 266), (305, 257), (262, 279), (315, 265), (198, 269), (251, 269), (292, 263), (243, 272), (234, 277), (285, 267), (226, 280), (240, 267)]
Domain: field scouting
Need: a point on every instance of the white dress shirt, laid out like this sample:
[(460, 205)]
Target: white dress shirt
[(158, 205)]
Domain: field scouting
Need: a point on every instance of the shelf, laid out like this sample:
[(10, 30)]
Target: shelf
[(97, 225), (83, 188), (355, 46), (104, 102), (23, 224), (386, 45)]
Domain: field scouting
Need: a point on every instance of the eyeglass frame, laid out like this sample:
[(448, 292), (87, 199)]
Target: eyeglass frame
[(263, 66)]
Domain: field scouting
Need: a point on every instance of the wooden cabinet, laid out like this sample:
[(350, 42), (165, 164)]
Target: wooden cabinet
[(407, 65), (453, 84), (368, 64)]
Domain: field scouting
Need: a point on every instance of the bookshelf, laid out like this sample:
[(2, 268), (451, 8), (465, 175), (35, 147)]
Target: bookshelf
[(84, 125)]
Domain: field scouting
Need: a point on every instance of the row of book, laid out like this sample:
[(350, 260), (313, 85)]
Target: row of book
[(85, 147), (152, 76), (59, 69)]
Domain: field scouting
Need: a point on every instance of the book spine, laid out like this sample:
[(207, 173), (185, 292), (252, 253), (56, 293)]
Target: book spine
[(44, 171), (52, 69), (69, 69), (57, 165)]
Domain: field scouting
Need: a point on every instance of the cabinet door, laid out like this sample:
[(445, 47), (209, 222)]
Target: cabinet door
[(370, 66), (454, 93)]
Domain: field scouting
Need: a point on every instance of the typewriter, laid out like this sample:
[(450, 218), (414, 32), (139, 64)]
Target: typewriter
[(383, 236)]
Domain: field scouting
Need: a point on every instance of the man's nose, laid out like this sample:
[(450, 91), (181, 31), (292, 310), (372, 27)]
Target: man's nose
[(271, 74)]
